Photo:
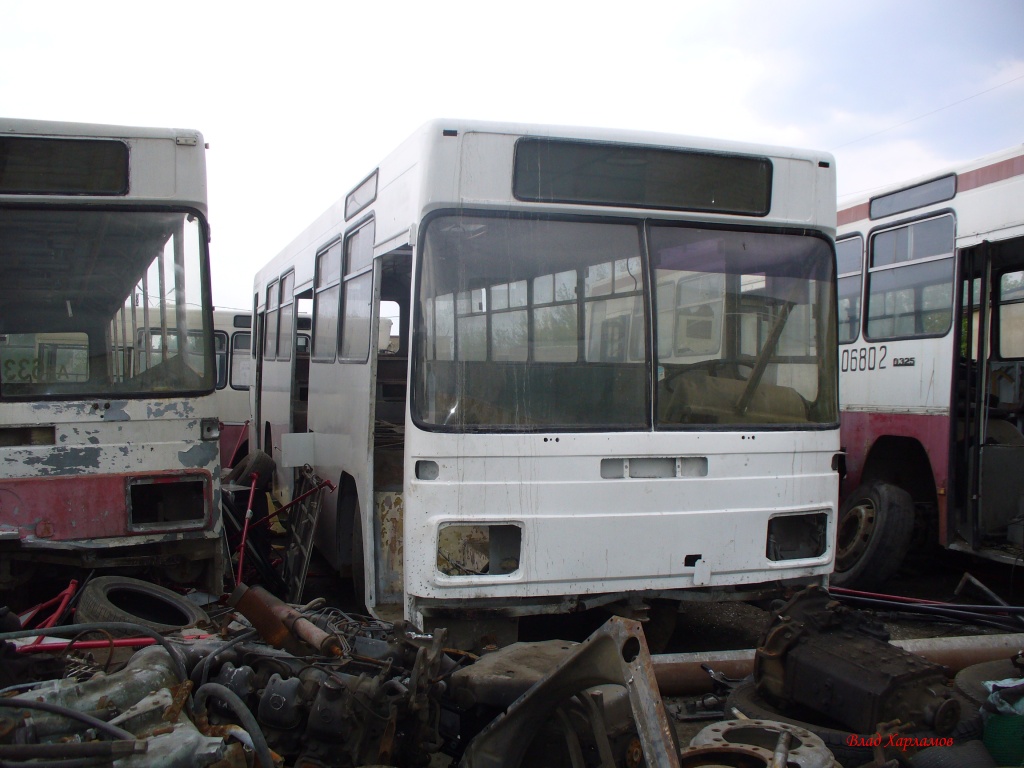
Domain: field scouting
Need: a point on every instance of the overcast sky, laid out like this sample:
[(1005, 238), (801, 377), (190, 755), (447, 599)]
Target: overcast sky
[(300, 100)]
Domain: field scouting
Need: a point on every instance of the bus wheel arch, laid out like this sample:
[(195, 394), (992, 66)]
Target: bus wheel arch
[(903, 462)]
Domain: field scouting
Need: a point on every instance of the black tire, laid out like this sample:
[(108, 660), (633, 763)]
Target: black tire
[(256, 462), (876, 523), (118, 598), (745, 699), (358, 560)]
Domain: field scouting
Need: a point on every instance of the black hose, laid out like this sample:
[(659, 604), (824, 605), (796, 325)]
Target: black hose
[(941, 611), (227, 696), (201, 671), (120, 626), (844, 594), (57, 709)]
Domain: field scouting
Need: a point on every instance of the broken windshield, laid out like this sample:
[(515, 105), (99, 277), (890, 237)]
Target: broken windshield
[(542, 324), (93, 303)]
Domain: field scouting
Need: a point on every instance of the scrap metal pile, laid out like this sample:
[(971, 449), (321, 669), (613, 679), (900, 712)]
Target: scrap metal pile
[(270, 684), (267, 684)]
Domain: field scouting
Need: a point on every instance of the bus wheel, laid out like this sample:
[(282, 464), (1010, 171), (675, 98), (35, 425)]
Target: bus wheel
[(348, 507), (875, 526)]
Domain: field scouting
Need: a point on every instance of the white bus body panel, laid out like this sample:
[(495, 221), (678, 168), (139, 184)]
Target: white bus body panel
[(584, 534)]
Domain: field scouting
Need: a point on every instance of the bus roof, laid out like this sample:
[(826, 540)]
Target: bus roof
[(981, 171), (395, 171), (625, 136), (167, 166), (29, 127)]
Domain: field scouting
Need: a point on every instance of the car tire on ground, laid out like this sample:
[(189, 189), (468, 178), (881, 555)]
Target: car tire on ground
[(876, 523), (119, 598)]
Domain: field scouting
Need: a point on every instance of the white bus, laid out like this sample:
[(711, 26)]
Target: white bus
[(108, 445), (555, 368), (232, 337), (931, 332)]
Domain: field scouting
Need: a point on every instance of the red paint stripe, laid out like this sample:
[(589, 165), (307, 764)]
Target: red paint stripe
[(72, 507), (850, 215), (990, 174), (966, 181)]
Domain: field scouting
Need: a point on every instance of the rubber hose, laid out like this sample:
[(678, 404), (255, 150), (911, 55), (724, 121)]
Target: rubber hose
[(227, 696), (201, 671)]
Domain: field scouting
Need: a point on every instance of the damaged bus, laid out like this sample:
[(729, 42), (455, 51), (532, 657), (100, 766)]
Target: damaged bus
[(108, 428), (931, 332), (558, 368), (232, 339)]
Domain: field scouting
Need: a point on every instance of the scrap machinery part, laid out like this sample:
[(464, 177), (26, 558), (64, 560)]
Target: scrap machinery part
[(326, 689), (374, 702), (139, 699), (823, 657), (614, 655), (756, 742)]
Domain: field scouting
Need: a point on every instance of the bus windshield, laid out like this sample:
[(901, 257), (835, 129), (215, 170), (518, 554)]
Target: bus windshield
[(82, 290), (545, 324)]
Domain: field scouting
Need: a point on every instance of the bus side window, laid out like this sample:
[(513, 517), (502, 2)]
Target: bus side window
[(1011, 316)]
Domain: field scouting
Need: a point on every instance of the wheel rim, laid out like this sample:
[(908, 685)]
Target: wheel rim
[(855, 530)]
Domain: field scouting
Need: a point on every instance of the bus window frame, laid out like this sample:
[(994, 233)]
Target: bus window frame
[(869, 270), (351, 278), (860, 286)]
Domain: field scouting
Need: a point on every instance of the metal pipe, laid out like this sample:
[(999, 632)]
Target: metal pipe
[(245, 528), (280, 624), (119, 626), (316, 489), (680, 674)]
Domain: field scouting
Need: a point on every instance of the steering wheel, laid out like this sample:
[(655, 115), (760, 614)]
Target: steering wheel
[(729, 365)]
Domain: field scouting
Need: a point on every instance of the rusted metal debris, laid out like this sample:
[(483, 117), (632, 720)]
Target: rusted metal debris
[(270, 684), (274, 684), (838, 662)]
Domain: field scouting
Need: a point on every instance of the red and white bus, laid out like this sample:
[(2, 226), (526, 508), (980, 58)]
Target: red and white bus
[(108, 425), (931, 333)]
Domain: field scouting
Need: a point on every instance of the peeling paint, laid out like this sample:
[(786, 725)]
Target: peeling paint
[(178, 409), (199, 455), (116, 412), (66, 461)]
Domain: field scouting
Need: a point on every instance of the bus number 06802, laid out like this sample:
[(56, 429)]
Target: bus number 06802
[(863, 359)]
